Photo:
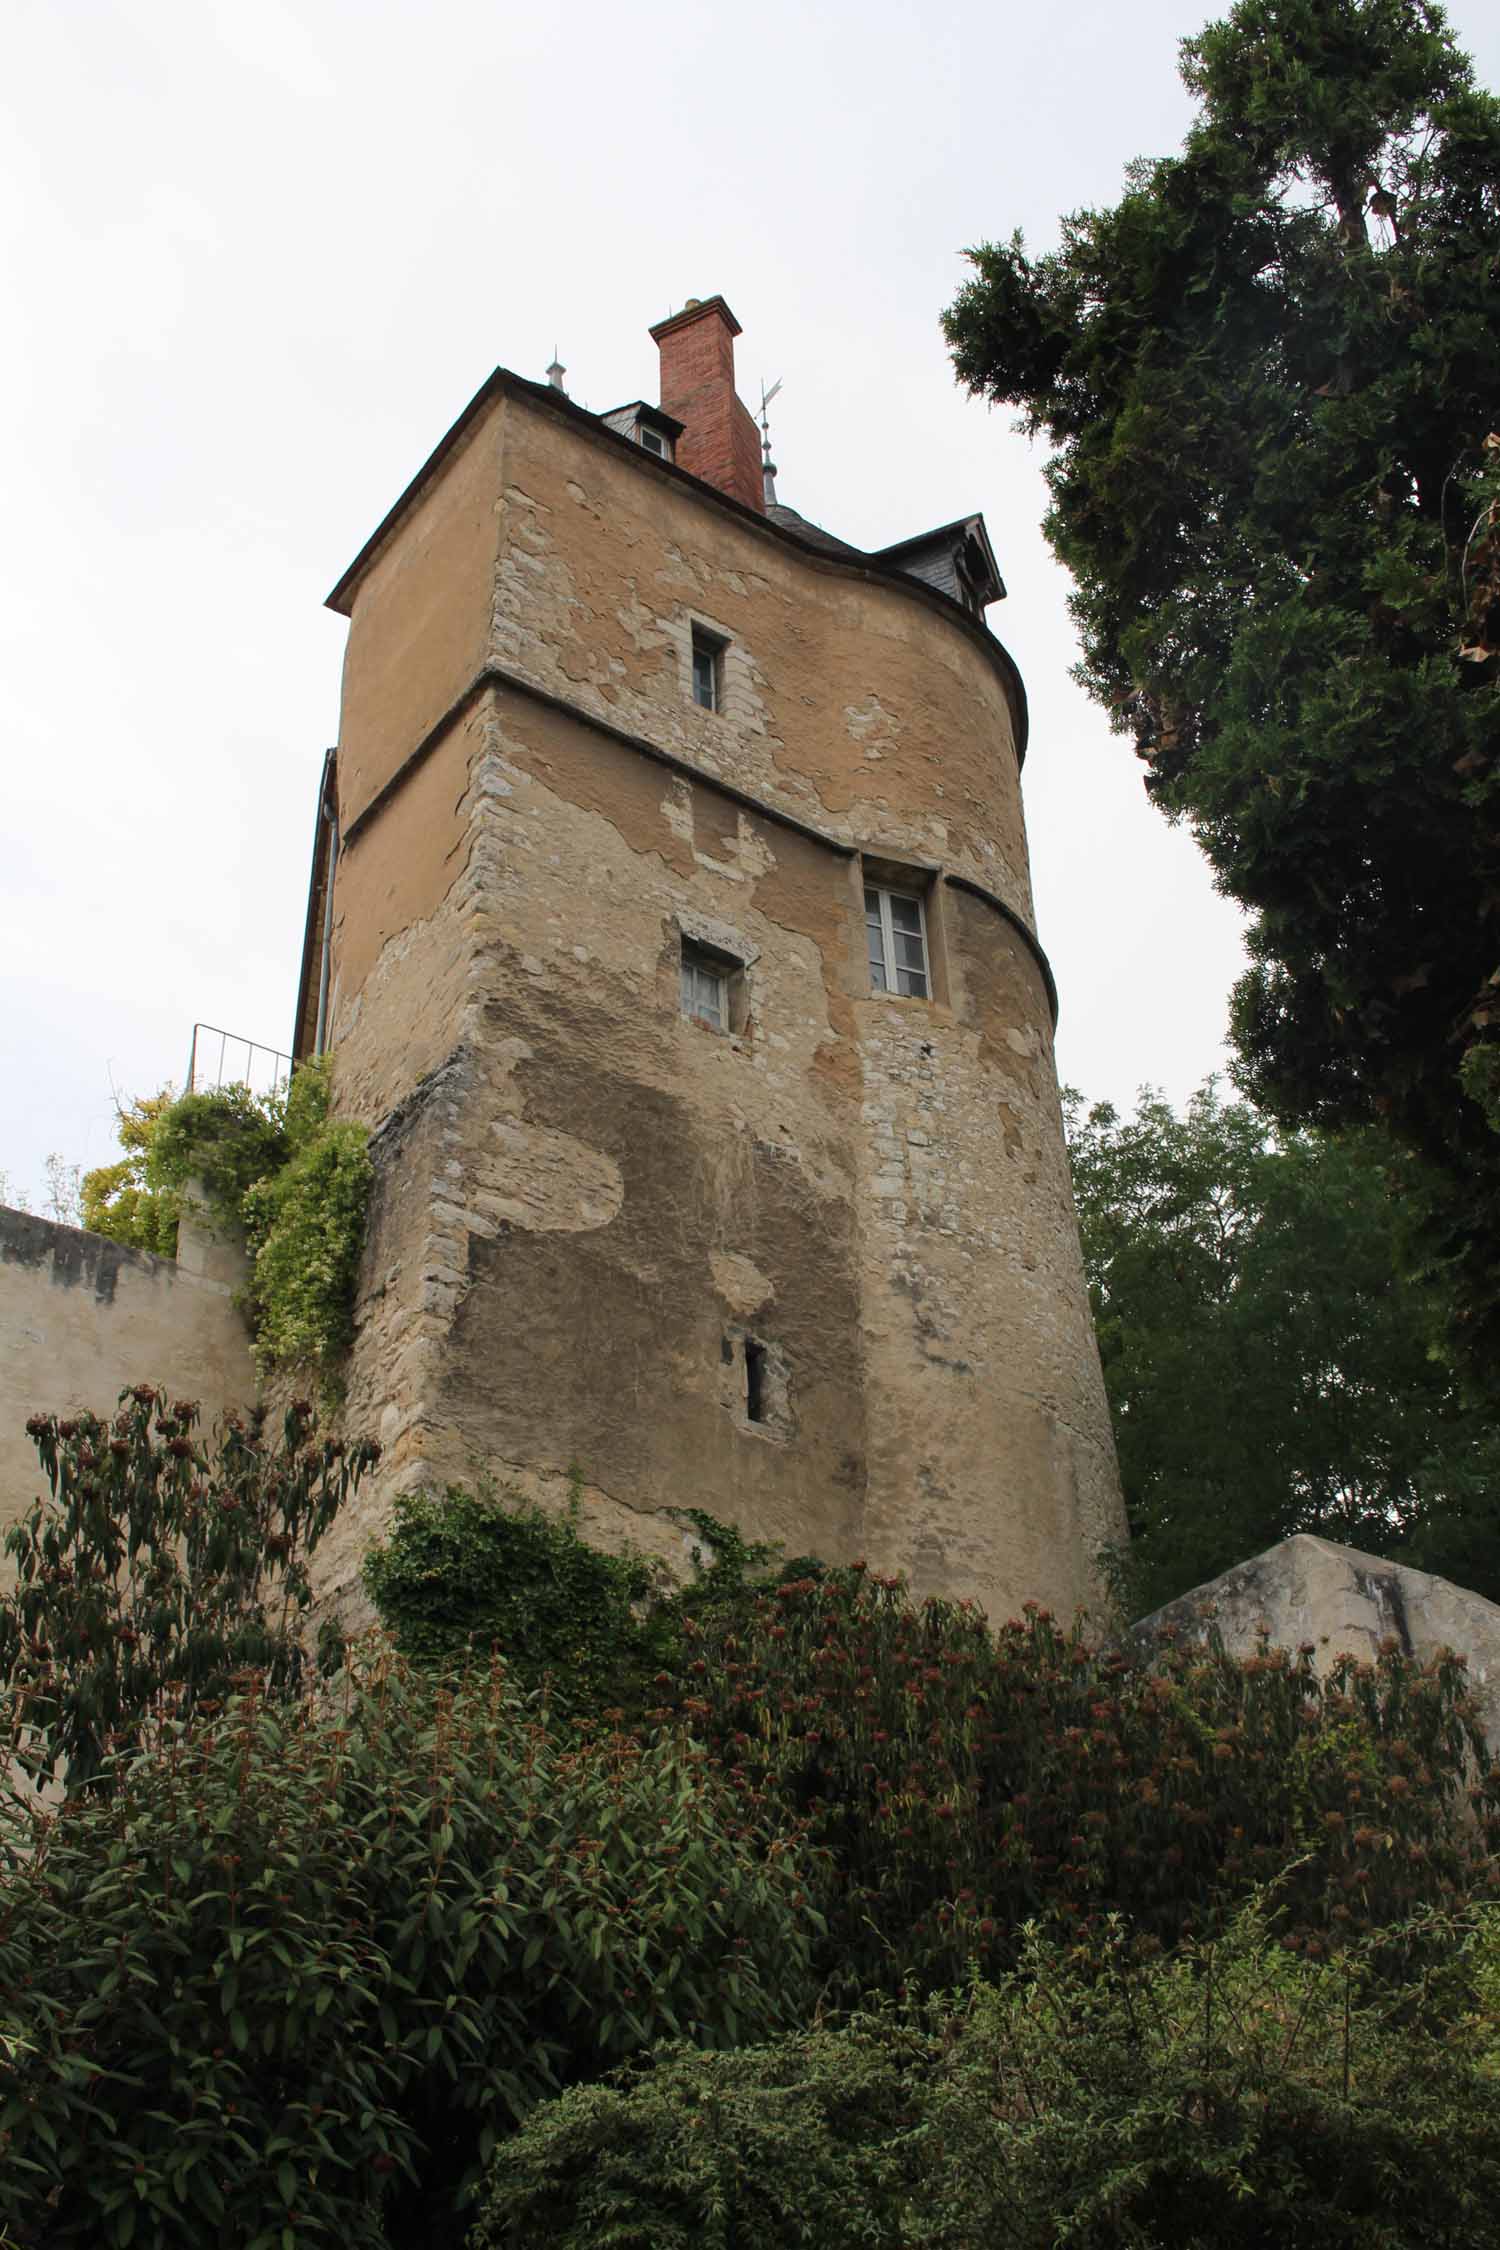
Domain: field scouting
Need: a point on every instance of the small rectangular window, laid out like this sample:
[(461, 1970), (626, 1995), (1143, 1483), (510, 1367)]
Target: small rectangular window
[(653, 440), (896, 936), (708, 669), (705, 988), (755, 1380)]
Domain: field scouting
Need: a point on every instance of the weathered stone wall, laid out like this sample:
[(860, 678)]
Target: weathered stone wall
[(591, 1208), (81, 1317)]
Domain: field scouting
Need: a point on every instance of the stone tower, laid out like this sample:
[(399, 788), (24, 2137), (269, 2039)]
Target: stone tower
[(671, 924)]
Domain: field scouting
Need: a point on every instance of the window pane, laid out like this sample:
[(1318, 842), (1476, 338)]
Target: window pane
[(703, 678), (703, 994), (872, 905), (906, 914), (913, 982), (909, 953)]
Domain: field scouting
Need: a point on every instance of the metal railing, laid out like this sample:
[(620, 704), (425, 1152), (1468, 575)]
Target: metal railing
[(209, 1069)]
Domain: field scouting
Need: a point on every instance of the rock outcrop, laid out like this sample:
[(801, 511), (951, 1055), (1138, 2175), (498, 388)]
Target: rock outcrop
[(1343, 1602)]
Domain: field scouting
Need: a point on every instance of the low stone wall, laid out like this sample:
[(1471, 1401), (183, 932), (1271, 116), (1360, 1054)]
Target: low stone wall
[(81, 1317)]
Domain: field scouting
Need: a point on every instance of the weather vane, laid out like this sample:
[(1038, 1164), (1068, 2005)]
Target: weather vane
[(767, 465)]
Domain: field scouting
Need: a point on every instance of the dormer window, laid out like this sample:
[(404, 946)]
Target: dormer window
[(957, 559), (647, 427)]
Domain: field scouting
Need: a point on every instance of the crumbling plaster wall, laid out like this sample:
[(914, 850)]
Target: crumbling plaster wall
[(587, 1202), (845, 699)]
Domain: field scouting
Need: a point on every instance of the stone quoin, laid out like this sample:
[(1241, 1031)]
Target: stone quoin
[(671, 927)]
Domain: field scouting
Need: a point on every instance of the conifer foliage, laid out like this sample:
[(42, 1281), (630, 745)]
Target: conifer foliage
[(1229, 2098), (1268, 377)]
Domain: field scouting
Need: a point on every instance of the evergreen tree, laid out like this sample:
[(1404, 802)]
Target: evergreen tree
[(1269, 378)]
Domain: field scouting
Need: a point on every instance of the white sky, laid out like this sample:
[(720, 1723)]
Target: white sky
[(257, 257)]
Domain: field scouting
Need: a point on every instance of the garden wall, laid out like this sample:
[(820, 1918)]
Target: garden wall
[(81, 1317)]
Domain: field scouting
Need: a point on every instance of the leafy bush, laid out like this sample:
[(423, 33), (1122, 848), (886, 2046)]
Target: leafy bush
[(813, 2140), (296, 1973), (960, 1783), (155, 1569), (1234, 2096), (225, 1141), (305, 1227)]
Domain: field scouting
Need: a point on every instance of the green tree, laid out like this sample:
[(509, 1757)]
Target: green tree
[(155, 1569), (1268, 378), (1272, 1364), (121, 1200), (280, 1175), (221, 1142)]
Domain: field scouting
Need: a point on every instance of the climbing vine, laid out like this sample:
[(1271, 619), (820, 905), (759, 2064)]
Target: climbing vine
[(304, 1225), (467, 1573)]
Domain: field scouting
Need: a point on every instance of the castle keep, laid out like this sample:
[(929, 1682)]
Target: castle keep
[(670, 922)]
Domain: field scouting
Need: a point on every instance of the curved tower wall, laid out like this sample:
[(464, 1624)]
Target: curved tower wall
[(593, 1212)]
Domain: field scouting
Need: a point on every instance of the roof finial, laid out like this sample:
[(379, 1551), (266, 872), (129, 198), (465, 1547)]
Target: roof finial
[(556, 372), (767, 465)]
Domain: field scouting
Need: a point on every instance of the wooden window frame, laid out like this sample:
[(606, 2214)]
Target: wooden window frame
[(891, 967), (698, 966)]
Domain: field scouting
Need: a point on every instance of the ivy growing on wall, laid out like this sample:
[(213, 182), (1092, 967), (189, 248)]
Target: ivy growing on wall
[(465, 1574), (304, 1225)]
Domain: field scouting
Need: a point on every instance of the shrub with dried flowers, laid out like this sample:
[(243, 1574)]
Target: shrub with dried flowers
[(959, 1782)]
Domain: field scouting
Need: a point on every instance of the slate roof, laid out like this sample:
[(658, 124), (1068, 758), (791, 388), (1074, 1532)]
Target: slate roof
[(813, 533)]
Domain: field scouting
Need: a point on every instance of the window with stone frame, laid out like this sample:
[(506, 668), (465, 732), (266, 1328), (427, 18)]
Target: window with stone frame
[(705, 985), (708, 668)]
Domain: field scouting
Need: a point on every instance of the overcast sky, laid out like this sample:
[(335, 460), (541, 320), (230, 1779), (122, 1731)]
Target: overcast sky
[(257, 258)]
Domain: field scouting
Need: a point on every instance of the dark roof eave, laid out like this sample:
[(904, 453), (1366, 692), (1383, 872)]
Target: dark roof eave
[(878, 565), (312, 936)]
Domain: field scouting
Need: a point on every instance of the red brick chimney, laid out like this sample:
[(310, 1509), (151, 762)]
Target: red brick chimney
[(719, 440)]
